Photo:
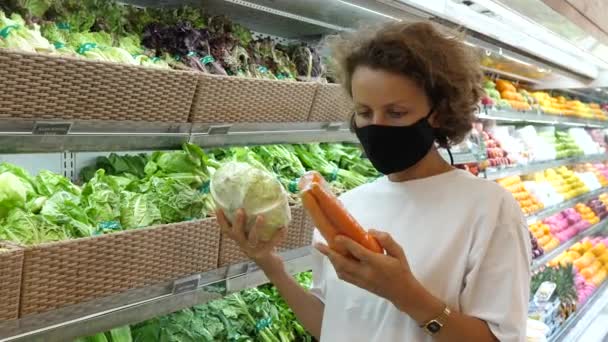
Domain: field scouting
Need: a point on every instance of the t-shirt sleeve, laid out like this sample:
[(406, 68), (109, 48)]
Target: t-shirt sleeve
[(318, 267), (497, 282)]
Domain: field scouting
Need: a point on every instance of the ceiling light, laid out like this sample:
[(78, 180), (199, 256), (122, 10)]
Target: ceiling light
[(517, 60), (369, 10)]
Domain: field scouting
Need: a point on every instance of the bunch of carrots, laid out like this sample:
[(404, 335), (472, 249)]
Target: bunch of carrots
[(330, 216)]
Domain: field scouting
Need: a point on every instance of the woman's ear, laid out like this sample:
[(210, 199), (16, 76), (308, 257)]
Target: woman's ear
[(433, 119)]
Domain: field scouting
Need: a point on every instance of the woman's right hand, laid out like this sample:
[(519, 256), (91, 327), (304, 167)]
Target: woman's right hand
[(261, 252)]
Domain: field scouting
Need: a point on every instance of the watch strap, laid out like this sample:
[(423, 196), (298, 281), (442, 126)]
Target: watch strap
[(433, 326)]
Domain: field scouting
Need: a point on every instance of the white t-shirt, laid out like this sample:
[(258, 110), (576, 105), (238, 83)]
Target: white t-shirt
[(466, 241)]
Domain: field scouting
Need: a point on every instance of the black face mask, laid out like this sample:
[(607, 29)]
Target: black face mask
[(396, 148)]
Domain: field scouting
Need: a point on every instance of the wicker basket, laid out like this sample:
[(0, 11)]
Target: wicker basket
[(331, 104), (221, 99), (76, 271), (308, 228), (11, 266), (230, 253), (40, 87)]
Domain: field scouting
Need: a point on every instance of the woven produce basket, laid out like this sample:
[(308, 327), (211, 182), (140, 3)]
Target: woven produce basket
[(308, 228), (331, 104), (221, 99), (230, 253), (11, 266), (41, 87), (69, 272)]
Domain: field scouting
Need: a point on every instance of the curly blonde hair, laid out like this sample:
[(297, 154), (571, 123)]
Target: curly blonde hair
[(441, 64)]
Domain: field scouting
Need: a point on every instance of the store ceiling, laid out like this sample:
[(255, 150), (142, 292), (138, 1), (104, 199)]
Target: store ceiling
[(582, 22)]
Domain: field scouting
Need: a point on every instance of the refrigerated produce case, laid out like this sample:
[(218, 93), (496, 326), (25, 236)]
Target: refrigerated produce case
[(62, 113)]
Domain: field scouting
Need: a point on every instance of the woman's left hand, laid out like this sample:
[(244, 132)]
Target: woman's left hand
[(386, 275)]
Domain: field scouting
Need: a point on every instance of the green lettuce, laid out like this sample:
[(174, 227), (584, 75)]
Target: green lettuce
[(101, 200), (26, 179), (190, 159), (29, 229), (138, 210), (13, 193), (176, 201), (49, 183), (15, 35), (64, 209)]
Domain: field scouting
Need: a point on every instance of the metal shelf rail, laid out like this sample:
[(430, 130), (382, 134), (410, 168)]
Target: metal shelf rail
[(539, 166)]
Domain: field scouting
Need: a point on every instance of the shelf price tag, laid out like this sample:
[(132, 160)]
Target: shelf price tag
[(52, 128), (187, 284), (334, 126), (219, 129)]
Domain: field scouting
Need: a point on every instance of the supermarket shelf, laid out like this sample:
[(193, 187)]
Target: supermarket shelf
[(544, 259), (54, 136), (533, 117), (564, 205), (460, 157), (258, 134), (141, 304), (535, 167), (582, 318), (296, 19)]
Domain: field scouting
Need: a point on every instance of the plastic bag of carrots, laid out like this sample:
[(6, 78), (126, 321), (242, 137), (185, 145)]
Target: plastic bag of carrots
[(330, 216)]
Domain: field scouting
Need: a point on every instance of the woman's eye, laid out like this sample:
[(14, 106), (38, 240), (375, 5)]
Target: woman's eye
[(364, 114), (396, 114)]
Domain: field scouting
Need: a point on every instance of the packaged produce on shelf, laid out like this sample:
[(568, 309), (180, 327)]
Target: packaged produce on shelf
[(512, 145), (590, 260), (528, 203), (584, 141), (538, 148), (591, 175), (561, 106), (566, 224), (493, 97), (537, 250), (599, 137), (564, 181), (586, 213), (536, 331), (541, 231), (598, 206), (508, 92), (554, 296), (543, 191), (495, 154)]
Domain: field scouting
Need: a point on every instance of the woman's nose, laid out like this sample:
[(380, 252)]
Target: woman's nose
[(378, 119)]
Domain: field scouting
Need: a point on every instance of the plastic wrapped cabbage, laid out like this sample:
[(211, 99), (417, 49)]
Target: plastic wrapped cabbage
[(238, 185)]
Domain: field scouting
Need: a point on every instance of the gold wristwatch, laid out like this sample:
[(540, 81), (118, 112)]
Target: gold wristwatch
[(433, 327)]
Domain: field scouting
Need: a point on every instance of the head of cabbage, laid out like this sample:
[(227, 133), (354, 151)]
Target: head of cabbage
[(237, 185)]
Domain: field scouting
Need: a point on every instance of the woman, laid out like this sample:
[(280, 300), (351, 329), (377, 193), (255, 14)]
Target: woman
[(457, 262)]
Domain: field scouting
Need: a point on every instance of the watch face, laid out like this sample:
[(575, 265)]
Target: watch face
[(433, 327)]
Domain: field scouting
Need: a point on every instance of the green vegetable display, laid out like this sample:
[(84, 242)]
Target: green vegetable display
[(178, 37), (133, 191), (250, 315)]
